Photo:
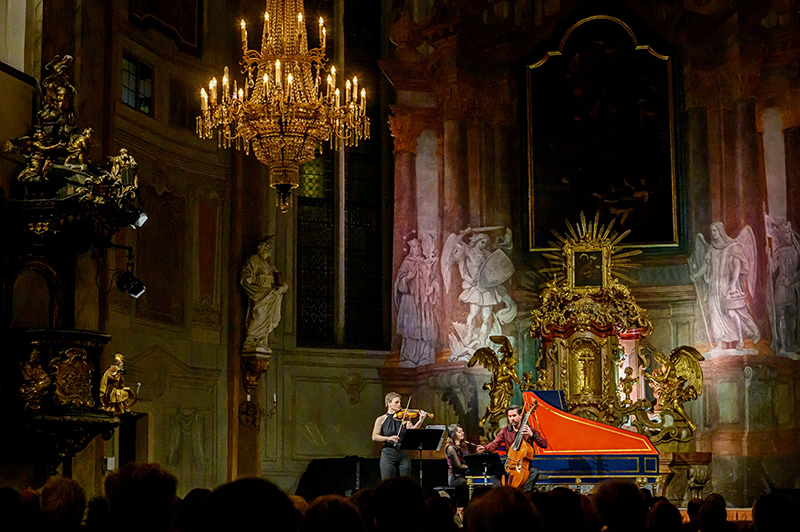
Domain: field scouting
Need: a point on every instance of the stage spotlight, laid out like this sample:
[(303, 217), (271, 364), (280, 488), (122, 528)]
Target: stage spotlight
[(128, 283), (137, 219)]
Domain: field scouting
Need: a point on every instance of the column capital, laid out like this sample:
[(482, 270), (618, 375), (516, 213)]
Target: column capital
[(406, 125)]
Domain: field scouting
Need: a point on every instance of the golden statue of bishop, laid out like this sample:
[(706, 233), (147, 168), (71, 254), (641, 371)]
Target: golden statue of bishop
[(115, 397)]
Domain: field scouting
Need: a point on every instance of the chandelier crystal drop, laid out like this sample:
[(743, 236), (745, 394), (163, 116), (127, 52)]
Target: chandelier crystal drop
[(288, 103)]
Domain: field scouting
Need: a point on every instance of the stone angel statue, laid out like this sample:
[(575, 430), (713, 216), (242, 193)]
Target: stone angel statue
[(724, 273), (677, 379), (504, 376)]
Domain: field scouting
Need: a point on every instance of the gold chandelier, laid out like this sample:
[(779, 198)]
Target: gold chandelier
[(283, 110)]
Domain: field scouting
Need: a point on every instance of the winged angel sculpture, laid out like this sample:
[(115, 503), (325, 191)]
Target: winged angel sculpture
[(678, 378), (483, 272), (724, 273), (504, 376)]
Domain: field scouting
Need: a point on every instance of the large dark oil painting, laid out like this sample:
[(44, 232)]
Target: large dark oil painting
[(601, 136)]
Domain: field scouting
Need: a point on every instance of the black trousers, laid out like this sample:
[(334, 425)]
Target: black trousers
[(393, 460)]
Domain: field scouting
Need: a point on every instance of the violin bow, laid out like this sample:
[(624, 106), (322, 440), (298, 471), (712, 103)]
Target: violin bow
[(405, 415)]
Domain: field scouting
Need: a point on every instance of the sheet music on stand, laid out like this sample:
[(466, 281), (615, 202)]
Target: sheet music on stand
[(428, 439)]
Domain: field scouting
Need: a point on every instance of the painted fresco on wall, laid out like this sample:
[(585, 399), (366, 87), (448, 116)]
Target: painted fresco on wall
[(485, 267), (417, 291), (783, 286), (601, 135), (724, 274)]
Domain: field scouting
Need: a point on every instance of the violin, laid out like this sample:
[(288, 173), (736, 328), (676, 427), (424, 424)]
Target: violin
[(409, 413)]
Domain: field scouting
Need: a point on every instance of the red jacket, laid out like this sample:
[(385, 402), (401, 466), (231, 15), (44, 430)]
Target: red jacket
[(507, 436)]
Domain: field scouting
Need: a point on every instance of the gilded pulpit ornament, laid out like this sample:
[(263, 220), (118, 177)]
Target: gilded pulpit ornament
[(56, 153), (593, 332), (115, 397), (35, 381), (73, 379)]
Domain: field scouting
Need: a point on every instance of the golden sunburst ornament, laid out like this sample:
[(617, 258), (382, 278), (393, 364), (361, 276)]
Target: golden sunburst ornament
[(590, 257)]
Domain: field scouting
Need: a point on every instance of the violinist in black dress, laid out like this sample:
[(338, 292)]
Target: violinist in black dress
[(387, 430)]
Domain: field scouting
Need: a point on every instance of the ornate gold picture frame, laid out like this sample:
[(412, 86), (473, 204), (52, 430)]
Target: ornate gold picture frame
[(588, 267)]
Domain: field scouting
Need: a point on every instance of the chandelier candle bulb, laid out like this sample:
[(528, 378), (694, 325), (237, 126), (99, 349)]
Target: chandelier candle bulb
[(363, 101), (289, 86), (355, 89), (278, 74), (212, 88), (328, 91), (324, 38), (299, 26), (244, 35), (203, 100), (333, 77), (347, 85), (337, 97), (320, 31)]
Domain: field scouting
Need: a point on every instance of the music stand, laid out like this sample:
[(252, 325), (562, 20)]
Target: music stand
[(420, 440), (482, 468), (484, 465)]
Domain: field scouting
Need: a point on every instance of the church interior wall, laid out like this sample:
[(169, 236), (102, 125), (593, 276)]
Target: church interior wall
[(734, 80), (460, 160)]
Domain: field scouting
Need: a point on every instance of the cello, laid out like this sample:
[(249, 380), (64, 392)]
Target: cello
[(519, 456)]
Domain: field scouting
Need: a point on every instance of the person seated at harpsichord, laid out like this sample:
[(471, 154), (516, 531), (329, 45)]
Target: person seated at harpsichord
[(508, 434)]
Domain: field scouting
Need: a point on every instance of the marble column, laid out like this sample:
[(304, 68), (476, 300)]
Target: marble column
[(698, 170), (455, 204), (751, 191), (406, 128), (791, 141)]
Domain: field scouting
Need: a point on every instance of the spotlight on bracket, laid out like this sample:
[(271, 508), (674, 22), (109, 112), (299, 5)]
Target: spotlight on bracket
[(127, 282), (137, 219)]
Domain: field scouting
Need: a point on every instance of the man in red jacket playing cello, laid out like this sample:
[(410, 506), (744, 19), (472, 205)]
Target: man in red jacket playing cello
[(508, 434)]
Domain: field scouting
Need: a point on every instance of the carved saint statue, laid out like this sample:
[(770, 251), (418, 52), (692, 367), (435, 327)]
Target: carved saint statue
[(504, 376), (483, 271), (726, 271), (783, 286), (417, 291), (266, 294), (114, 395)]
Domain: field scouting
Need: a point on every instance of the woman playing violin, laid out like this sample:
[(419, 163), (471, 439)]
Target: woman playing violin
[(387, 430)]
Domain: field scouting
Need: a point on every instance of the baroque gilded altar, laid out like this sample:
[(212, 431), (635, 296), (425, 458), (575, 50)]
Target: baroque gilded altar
[(594, 345)]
